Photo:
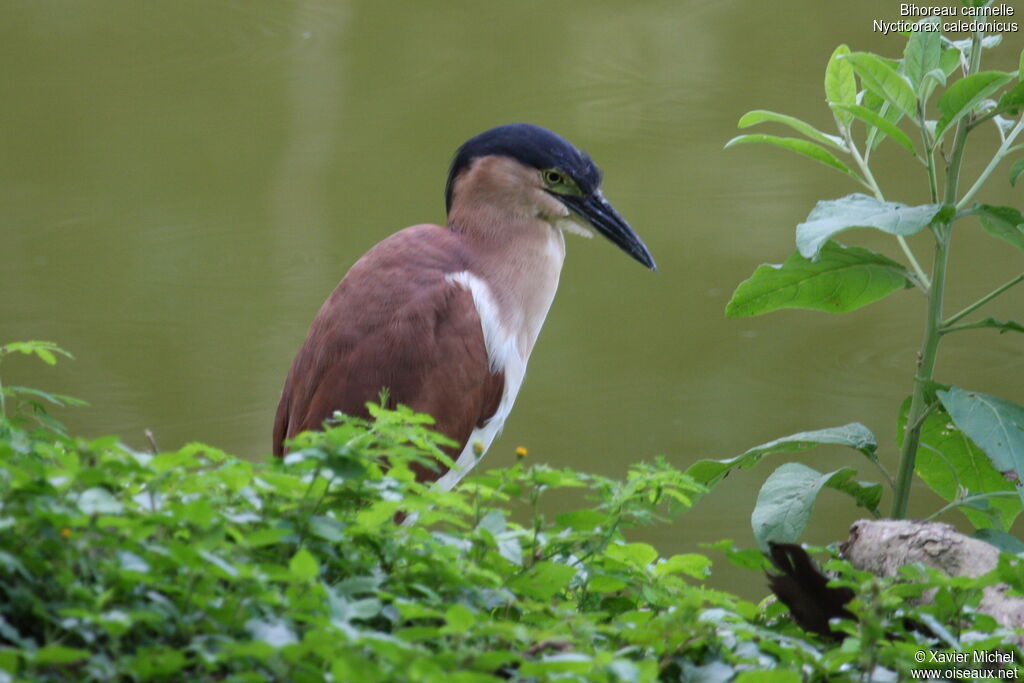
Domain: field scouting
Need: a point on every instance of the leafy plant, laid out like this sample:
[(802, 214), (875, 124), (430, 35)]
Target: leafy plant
[(196, 565), (28, 405), (967, 446)]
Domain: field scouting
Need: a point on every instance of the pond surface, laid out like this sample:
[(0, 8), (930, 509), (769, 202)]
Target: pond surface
[(183, 183)]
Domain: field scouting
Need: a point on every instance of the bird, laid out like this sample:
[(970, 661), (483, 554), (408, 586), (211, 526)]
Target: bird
[(802, 587), (443, 318)]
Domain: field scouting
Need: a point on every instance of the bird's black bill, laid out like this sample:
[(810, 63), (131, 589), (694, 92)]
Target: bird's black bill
[(597, 211)]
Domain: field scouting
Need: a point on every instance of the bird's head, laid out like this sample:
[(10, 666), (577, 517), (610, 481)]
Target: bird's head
[(546, 163)]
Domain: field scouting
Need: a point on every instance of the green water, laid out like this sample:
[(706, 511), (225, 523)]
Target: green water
[(181, 185)]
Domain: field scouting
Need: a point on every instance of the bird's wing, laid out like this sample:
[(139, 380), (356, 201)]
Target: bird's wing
[(395, 322)]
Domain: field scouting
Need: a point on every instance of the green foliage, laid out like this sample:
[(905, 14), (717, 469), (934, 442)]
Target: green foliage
[(841, 279), (828, 218), (26, 406), (196, 565), (966, 445)]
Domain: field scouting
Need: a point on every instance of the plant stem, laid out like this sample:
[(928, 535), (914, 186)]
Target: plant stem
[(1000, 154), (925, 371), (933, 323), (982, 301)]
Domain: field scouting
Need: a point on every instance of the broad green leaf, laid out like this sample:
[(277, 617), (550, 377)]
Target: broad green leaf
[(752, 118), (1016, 170), (807, 149), (1012, 99), (275, 633), (787, 497), (853, 435), (950, 463), (99, 501), (832, 216), (692, 564), (1000, 539), (58, 654), (872, 118), (459, 619), (949, 60), (768, 676), (1004, 222), (922, 56), (882, 79), (842, 279), (556, 666), (543, 580), (878, 105), (747, 558), (840, 83), (303, 565), (637, 555), (995, 424), (963, 96)]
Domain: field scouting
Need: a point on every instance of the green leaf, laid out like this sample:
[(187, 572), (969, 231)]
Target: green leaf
[(1012, 99), (752, 118), (768, 676), (748, 558), (1000, 539), (950, 463), (807, 149), (787, 497), (840, 83), (883, 80), (853, 435), (949, 60), (876, 104), (276, 633), (58, 654), (1004, 222), (962, 97), (459, 619), (842, 279), (995, 424), (876, 120), (46, 350), (636, 555), (691, 564), (55, 399), (1016, 170), (99, 501), (859, 211), (543, 580), (303, 566), (922, 56), (1003, 326)]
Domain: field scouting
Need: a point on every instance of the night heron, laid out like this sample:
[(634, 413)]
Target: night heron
[(444, 317)]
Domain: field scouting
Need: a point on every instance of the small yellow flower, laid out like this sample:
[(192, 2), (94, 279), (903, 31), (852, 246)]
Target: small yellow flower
[(521, 452), (65, 532)]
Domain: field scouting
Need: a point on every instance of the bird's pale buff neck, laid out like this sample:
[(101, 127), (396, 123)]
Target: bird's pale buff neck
[(500, 209)]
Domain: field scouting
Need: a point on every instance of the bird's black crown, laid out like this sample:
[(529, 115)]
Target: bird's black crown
[(532, 145)]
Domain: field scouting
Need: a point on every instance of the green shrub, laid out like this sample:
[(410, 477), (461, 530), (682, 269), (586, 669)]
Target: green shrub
[(967, 446), (196, 565)]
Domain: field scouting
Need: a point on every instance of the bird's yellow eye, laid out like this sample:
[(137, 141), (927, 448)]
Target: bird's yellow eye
[(553, 177)]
